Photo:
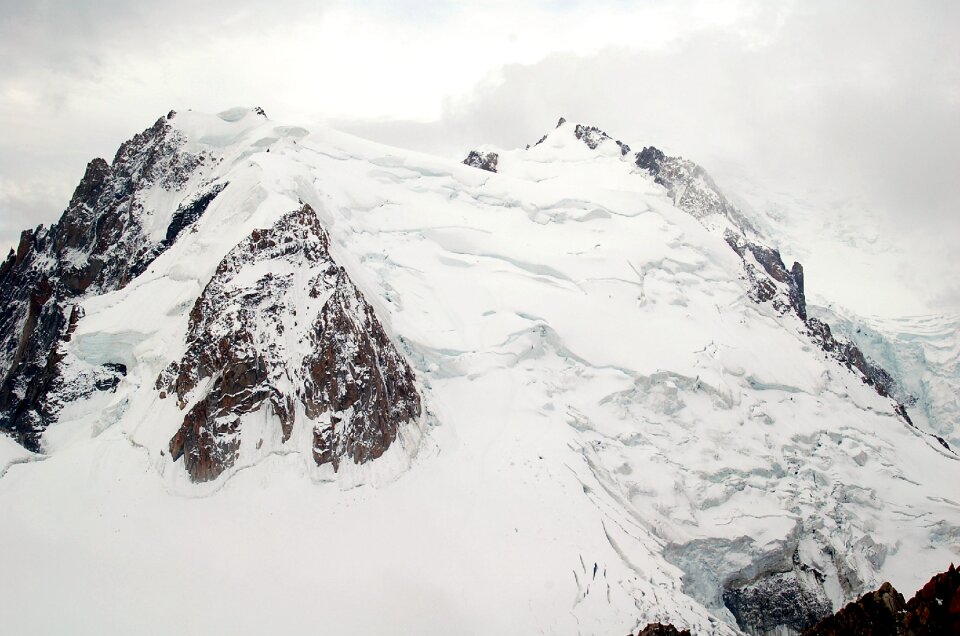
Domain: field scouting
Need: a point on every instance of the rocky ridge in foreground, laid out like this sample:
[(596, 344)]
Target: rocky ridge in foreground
[(933, 611)]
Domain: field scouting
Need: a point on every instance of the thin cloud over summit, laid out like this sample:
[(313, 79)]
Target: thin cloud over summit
[(857, 101)]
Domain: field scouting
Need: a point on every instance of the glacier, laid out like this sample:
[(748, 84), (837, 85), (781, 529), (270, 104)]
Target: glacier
[(614, 432)]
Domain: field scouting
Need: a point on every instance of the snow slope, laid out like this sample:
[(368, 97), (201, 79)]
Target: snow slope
[(614, 432), (851, 253), (922, 353), (857, 283)]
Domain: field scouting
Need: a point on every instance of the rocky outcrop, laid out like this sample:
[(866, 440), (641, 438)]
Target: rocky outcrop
[(482, 160), (560, 122), (660, 629), (850, 356), (691, 188), (98, 245), (187, 213), (933, 611), (99, 242), (878, 613), (765, 287), (32, 320), (695, 192), (771, 281), (281, 327), (792, 599), (783, 288), (593, 137)]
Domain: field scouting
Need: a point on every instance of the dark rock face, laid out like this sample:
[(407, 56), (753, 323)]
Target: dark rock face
[(100, 235), (878, 613), (188, 213), (97, 246), (31, 322), (652, 160), (772, 282), (934, 610), (282, 327), (593, 137), (849, 355), (660, 629), (772, 264), (690, 187), (354, 367), (485, 161), (791, 598)]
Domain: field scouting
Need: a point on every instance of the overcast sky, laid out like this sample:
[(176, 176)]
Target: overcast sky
[(857, 102)]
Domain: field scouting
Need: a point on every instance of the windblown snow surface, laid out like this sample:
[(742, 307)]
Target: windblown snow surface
[(613, 430)]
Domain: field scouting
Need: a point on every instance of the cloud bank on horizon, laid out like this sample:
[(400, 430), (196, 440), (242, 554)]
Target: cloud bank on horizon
[(857, 101)]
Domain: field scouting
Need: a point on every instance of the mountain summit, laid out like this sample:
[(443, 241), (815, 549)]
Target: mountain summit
[(283, 379)]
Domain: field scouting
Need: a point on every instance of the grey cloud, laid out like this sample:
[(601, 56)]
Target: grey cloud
[(863, 97), (73, 38), (21, 205), (879, 108), (855, 100)]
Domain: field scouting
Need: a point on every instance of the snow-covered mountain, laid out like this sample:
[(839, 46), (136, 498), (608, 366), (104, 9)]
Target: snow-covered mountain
[(921, 352), (261, 378)]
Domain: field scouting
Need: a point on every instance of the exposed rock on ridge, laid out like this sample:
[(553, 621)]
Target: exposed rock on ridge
[(933, 611), (660, 629), (483, 160), (695, 192), (775, 599), (848, 354), (764, 286), (874, 613), (282, 327), (690, 187), (593, 137), (98, 245), (101, 234)]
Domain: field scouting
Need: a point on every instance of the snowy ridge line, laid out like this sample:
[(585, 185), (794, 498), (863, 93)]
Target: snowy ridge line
[(104, 239), (692, 189), (922, 353), (546, 370)]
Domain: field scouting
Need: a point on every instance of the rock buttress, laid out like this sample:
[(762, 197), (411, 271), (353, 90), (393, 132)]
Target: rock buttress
[(98, 245), (281, 326)]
